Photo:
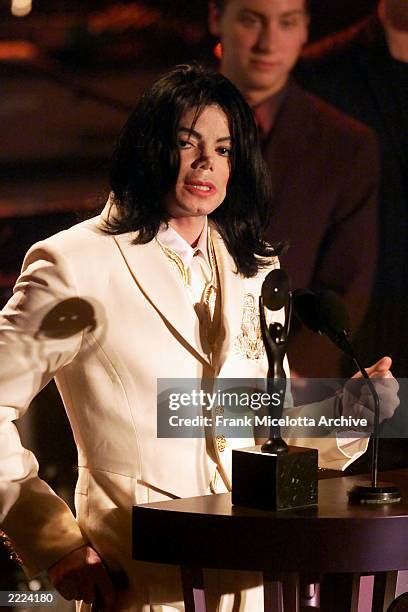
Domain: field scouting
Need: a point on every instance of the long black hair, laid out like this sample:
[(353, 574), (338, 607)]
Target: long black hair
[(146, 162)]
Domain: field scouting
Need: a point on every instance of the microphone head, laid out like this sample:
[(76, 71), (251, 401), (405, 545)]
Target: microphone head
[(334, 316), (275, 289), (305, 304), (325, 313)]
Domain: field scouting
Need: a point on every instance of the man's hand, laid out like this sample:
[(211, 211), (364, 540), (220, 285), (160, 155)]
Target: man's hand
[(357, 399), (82, 575)]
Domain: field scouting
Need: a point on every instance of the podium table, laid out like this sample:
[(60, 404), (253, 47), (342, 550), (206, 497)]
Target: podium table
[(333, 544)]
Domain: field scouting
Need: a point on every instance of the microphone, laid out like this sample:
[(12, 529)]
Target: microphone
[(275, 294), (325, 313)]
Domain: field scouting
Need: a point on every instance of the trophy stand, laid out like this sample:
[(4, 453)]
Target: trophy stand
[(273, 475)]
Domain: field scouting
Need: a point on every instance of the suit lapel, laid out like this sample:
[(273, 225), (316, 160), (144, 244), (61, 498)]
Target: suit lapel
[(163, 287), (232, 295)]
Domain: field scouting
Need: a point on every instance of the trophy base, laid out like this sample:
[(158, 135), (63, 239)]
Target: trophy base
[(274, 482), (383, 493)]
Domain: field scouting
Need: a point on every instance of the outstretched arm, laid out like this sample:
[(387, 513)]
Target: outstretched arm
[(39, 523)]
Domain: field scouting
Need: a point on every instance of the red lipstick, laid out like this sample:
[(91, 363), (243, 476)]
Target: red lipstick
[(202, 189)]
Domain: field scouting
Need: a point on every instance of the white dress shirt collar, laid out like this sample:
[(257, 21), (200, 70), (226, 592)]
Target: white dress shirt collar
[(168, 236)]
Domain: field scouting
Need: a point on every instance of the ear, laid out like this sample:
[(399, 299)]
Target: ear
[(307, 26), (214, 17), (381, 11)]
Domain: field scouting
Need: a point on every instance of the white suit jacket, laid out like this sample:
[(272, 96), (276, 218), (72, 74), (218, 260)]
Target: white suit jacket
[(145, 328)]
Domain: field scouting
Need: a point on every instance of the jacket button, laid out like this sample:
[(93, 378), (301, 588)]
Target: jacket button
[(221, 443)]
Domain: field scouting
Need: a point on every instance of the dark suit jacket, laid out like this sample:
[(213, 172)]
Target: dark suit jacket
[(355, 71), (324, 169)]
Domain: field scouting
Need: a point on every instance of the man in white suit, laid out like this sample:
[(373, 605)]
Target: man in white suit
[(157, 286)]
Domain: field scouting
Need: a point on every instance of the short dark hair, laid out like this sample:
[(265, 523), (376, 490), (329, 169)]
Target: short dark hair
[(220, 4), (146, 162)]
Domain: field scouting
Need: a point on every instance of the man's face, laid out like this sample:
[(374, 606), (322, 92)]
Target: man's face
[(261, 42), (205, 168)]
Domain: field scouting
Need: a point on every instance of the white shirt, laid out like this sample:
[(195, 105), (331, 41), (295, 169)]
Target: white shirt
[(195, 259)]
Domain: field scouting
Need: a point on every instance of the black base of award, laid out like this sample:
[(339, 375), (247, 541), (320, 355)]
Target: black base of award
[(383, 493), (274, 482)]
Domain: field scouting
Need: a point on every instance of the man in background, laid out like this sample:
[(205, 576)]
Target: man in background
[(323, 165), (364, 71)]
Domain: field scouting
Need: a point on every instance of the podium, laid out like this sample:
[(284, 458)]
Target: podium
[(332, 544)]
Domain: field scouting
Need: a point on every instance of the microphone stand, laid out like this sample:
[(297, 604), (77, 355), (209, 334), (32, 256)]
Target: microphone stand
[(376, 492), (374, 460), (324, 313)]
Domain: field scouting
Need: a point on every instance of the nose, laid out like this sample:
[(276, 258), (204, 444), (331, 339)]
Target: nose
[(268, 36), (204, 160)]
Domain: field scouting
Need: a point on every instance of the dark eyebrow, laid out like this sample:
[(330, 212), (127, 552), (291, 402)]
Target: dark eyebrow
[(197, 135), (292, 13), (248, 11), (263, 17)]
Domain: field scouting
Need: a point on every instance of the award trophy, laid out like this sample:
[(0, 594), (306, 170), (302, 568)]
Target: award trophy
[(274, 475)]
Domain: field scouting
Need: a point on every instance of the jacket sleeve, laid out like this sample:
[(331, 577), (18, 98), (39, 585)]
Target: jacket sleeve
[(335, 451), (39, 524)]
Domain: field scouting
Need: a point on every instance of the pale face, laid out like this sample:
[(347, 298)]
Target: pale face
[(204, 168), (261, 42)]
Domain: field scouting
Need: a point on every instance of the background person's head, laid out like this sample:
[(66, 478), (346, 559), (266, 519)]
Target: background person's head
[(394, 13), (146, 163), (261, 42)]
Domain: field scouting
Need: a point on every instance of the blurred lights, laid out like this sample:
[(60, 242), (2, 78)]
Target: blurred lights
[(218, 51), (21, 8), (17, 50), (34, 585), (122, 17)]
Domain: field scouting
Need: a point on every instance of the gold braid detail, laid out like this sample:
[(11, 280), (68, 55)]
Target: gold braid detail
[(176, 260)]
